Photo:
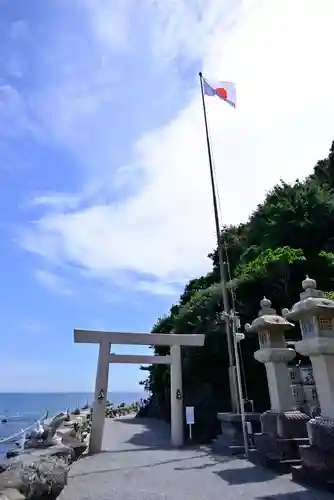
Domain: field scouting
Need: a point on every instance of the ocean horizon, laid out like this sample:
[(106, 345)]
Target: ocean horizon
[(21, 409)]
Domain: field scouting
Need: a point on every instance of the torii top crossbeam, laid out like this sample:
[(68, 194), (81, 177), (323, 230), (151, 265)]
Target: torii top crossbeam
[(125, 338)]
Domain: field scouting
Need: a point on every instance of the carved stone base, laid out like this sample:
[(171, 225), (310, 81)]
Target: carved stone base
[(288, 425), (314, 458), (280, 467), (279, 449), (317, 458), (311, 477), (321, 433)]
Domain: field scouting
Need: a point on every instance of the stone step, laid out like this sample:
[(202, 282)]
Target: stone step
[(309, 477), (279, 466)]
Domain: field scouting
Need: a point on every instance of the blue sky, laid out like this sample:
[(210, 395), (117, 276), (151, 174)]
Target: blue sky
[(105, 208)]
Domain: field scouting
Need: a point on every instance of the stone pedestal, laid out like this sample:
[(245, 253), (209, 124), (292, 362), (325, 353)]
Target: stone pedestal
[(316, 316), (282, 434), (231, 438), (283, 427)]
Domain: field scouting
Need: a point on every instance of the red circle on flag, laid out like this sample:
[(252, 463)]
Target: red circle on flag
[(222, 93)]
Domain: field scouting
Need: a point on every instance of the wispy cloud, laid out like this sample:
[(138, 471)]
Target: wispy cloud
[(157, 225), (53, 282), (15, 117), (111, 22)]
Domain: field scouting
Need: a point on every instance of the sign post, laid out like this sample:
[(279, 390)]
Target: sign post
[(190, 419)]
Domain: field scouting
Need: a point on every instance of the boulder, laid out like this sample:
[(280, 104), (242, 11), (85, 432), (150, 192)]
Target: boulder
[(4, 466), (77, 447), (11, 494), (45, 438), (54, 425), (36, 479), (27, 457), (60, 451), (14, 452), (65, 433), (73, 422), (11, 477), (36, 443)]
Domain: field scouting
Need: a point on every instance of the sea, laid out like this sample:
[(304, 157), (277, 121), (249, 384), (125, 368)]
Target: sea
[(22, 410)]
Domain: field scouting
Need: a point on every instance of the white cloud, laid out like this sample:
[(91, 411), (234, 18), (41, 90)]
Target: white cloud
[(185, 28), (279, 54), (53, 282), (15, 117), (110, 22)]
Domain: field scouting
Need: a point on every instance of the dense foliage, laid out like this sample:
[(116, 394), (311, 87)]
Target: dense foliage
[(288, 236)]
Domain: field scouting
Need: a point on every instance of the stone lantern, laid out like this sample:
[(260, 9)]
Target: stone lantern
[(283, 427), (315, 314)]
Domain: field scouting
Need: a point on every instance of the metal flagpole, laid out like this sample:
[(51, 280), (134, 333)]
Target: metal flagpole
[(236, 325), (232, 379)]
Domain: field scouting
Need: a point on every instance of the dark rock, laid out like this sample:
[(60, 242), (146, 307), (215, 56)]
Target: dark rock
[(4, 421), (4, 466), (36, 477), (38, 444), (44, 439), (67, 433), (27, 457), (60, 451), (69, 423), (11, 494), (54, 425), (11, 478), (77, 446), (12, 453)]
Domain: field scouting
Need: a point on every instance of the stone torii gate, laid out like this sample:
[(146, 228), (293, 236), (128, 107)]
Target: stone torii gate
[(105, 339)]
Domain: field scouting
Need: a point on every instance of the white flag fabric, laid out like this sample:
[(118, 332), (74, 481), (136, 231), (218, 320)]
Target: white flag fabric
[(224, 90)]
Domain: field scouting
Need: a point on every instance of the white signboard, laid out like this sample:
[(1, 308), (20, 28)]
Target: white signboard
[(190, 415)]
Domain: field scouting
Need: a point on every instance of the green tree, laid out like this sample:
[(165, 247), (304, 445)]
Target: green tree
[(288, 236)]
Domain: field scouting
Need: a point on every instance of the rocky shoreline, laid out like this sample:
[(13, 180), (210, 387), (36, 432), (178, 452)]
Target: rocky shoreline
[(40, 470)]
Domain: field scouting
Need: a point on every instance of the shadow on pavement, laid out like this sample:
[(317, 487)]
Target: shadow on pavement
[(246, 475), (309, 494), (153, 433), (150, 465), (203, 466)]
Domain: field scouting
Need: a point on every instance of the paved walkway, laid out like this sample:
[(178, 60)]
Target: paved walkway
[(138, 464)]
